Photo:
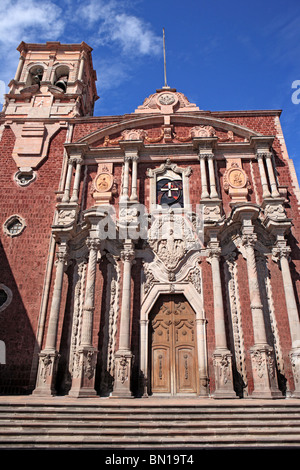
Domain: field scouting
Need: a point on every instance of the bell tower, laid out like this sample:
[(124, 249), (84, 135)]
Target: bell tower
[(52, 80), (53, 83)]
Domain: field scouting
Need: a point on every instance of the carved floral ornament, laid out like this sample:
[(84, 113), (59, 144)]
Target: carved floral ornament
[(168, 134)]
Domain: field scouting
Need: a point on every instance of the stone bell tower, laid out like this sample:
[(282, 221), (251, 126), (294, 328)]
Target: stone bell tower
[(53, 82)]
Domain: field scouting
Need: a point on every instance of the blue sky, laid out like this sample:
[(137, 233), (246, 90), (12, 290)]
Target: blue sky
[(223, 55)]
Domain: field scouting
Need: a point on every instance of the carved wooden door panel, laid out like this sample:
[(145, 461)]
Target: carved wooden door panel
[(173, 349)]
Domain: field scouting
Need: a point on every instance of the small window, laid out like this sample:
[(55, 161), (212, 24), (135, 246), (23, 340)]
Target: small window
[(24, 177), (14, 226)]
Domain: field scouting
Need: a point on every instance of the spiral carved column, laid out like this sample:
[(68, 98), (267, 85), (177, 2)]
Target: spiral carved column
[(262, 354), (85, 363)]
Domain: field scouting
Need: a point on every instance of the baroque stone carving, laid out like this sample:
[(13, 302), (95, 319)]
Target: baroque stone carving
[(79, 291), (203, 131), (234, 306), (134, 134), (268, 303), (170, 237), (110, 326), (195, 278), (66, 216)]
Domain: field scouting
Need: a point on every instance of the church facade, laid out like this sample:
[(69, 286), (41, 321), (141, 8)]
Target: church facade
[(149, 254)]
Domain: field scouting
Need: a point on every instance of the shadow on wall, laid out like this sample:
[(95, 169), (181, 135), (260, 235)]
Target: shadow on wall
[(17, 336)]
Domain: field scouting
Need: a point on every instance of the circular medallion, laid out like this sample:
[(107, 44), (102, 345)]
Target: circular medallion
[(237, 178), (103, 182), (166, 99)]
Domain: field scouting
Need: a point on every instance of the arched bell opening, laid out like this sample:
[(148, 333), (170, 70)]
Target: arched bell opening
[(35, 75), (61, 77)]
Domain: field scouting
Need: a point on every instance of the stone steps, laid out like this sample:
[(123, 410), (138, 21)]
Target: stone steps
[(136, 424)]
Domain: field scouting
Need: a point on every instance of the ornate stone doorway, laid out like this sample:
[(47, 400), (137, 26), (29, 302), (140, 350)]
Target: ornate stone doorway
[(173, 347)]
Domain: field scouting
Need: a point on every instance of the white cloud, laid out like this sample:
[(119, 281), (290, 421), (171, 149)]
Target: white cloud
[(30, 21), (133, 34)]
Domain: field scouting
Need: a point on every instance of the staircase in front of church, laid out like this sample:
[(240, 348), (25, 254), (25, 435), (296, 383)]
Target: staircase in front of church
[(65, 423)]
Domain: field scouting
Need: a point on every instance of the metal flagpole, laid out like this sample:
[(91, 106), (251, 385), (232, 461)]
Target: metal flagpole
[(165, 67)]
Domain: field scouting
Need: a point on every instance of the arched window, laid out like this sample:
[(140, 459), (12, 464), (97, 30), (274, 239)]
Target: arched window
[(61, 77), (35, 75)]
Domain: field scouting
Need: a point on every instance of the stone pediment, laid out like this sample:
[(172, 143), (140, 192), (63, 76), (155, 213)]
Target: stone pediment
[(166, 101)]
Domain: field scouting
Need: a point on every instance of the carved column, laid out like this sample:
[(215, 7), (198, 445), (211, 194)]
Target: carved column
[(262, 355), (20, 67), (85, 363), (81, 65), (125, 188), (66, 196), (212, 177), (263, 178), (78, 161), (222, 355), (124, 358), (48, 358), (202, 158), (133, 196), (273, 184), (281, 253)]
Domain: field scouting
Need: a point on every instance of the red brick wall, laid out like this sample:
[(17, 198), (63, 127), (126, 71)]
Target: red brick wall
[(24, 257)]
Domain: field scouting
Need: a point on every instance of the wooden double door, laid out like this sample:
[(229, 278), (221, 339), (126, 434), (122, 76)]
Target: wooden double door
[(173, 344)]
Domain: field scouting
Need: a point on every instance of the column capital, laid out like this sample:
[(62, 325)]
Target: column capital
[(214, 251), (260, 154), (76, 159), (205, 154), (127, 254), (93, 243), (281, 251), (249, 240), (62, 253)]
